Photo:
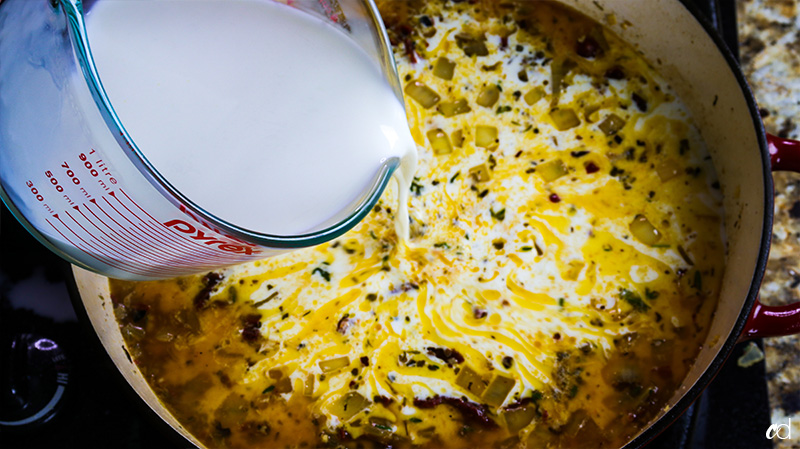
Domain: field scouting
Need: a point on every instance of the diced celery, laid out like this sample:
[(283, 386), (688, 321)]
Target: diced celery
[(552, 170), (422, 94), (471, 381), (348, 406), (564, 118), (498, 390), (481, 172), (486, 136), (335, 364), (611, 125), (667, 170), (439, 142), (534, 95), (488, 96), (644, 231), (453, 108), (444, 68)]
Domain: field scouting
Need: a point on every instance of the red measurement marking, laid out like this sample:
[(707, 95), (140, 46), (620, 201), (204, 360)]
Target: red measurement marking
[(203, 255), (154, 241), (92, 247), (182, 252), (134, 256), (214, 256), (132, 241), (110, 263), (235, 241), (119, 244), (148, 248), (114, 261), (70, 241)]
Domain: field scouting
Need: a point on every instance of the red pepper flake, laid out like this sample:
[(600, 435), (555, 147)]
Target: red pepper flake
[(386, 401), (344, 324), (588, 48), (472, 412), (591, 167), (641, 103), (210, 281), (479, 313), (344, 435), (251, 325), (446, 354), (554, 198), (615, 73)]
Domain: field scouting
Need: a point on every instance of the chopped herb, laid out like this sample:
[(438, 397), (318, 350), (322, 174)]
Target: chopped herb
[(433, 367), (416, 187), (650, 294), (684, 255), (502, 109), (499, 215), (441, 245), (633, 299), (268, 389), (698, 281), (607, 248), (454, 177), (661, 245), (372, 234), (264, 301), (415, 420), (325, 274), (526, 248), (684, 147), (536, 395), (560, 302), (573, 391), (382, 427)]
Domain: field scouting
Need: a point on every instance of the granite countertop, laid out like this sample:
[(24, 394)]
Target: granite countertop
[(769, 35)]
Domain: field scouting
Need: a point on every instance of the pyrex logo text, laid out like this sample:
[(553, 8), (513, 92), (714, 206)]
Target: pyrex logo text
[(782, 431), (196, 234)]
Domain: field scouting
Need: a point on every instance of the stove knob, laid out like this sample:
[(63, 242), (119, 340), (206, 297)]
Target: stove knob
[(34, 375)]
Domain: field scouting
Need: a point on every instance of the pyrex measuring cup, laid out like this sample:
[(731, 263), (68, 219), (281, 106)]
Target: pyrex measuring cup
[(76, 180)]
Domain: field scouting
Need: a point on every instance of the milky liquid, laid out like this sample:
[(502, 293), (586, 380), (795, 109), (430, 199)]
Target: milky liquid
[(263, 116)]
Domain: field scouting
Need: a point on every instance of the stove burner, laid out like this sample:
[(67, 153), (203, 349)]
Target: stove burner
[(34, 378)]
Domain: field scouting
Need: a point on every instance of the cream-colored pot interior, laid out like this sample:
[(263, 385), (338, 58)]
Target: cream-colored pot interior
[(678, 46)]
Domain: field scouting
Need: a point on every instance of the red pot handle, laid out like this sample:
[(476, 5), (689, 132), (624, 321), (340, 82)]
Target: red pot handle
[(774, 321)]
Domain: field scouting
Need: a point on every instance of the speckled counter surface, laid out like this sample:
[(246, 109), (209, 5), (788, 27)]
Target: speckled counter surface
[(769, 35)]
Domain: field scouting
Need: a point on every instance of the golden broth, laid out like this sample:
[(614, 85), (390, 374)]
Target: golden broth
[(564, 263)]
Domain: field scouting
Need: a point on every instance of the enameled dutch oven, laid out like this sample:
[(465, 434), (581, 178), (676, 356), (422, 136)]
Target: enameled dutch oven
[(691, 56)]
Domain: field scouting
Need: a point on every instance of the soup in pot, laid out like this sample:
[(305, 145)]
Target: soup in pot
[(563, 265)]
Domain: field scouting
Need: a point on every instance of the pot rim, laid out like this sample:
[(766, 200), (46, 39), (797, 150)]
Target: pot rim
[(693, 393), (688, 397)]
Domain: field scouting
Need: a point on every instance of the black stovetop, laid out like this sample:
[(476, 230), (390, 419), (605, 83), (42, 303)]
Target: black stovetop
[(99, 410)]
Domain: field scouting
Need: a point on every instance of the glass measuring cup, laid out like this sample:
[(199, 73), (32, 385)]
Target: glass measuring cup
[(76, 180)]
